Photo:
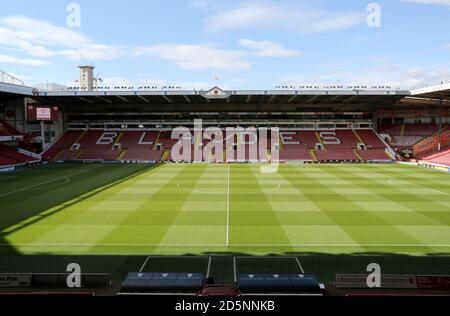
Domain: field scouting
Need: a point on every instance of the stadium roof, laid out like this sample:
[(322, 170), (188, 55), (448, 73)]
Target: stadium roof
[(232, 100), (434, 96), (15, 90), (216, 99), (435, 92)]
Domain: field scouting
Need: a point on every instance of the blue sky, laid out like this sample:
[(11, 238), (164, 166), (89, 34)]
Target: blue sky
[(230, 43)]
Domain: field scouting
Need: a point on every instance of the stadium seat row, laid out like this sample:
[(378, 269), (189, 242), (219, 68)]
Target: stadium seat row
[(294, 145)]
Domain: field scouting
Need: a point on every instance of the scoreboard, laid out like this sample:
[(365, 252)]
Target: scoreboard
[(42, 113)]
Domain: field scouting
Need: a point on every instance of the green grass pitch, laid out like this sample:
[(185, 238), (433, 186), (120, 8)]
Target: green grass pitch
[(124, 210)]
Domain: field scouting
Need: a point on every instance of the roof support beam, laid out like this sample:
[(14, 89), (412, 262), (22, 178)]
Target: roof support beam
[(292, 98), (85, 100), (122, 98), (272, 98), (349, 99), (335, 98), (187, 99), (167, 99), (104, 100), (143, 99), (313, 98), (249, 97)]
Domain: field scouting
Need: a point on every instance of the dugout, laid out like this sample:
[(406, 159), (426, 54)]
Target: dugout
[(297, 284), (163, 283)]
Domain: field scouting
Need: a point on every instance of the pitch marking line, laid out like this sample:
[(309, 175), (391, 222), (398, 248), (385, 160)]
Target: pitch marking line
[(208, 269), (42, 183), (145, 263)]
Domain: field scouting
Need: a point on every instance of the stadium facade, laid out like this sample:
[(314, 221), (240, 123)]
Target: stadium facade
[(134, 124)]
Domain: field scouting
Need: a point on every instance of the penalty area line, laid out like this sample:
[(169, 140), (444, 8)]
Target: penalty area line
[(42, 183)]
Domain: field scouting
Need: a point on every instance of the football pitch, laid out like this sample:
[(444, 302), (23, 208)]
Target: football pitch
[(180, 209)]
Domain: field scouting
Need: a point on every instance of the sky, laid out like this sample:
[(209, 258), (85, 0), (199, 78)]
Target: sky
[(233, 44)]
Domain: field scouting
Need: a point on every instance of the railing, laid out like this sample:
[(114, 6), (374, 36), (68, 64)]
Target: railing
[(7, 78)]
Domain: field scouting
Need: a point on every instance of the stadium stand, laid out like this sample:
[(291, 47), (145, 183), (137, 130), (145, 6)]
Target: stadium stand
[(408, 135), (8, 130), (373, 154), (61, 148), (336, 155), (296, 153), (423, 130), (139, 146), (441, 158), (403, 142), (371, 139), (10, 156), (155, 146), (97, 145)]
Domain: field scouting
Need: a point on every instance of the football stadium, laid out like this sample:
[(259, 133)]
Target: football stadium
[(295, 190)]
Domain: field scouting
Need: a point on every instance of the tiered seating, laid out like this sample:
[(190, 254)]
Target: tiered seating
[(133, 150), (98, 154), (347, 138), (441, 158), (392, 130), (339, 145), (10, 156), (336, 155), (90, 149), (371, 139), (5, 161), (295, 153), (143, 155), (165, 139), (63, 144), (373, 155), (8, 130), (66, 154), (406, 136), (424, 130), (405, 141), (306, 138)]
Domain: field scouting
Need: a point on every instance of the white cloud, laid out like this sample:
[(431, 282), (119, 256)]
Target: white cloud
[(268, 48), (5, 59), (196, 57), (275, 16), (93, 52), (378, 73), (436, 2), (45, 40)]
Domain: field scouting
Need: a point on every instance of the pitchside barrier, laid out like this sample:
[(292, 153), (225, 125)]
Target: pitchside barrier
[(279, 284), (12, 168), (395, 282), (274, 276), (181, 275), (430, 165), (425, 164), (54, 280), (163, 283)]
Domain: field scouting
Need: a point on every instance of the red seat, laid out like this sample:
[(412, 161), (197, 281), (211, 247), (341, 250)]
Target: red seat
[(374, 154)]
